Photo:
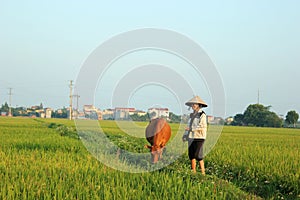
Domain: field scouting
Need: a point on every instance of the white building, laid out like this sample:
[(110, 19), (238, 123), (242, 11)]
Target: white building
[(123, 113), (92, 112), (158, 112), (140, 113), (108, 114), (48, 112)]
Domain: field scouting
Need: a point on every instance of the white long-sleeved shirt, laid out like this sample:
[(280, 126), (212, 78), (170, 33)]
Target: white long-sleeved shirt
[(198, 128)]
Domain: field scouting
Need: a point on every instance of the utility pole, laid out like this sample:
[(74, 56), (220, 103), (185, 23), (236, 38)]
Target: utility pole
[(71, 96), (77, 111), (9, 110)]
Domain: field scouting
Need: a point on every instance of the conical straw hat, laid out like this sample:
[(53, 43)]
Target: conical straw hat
[(196, 99)]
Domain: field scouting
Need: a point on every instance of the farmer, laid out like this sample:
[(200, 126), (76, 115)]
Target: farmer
[(195, 133)]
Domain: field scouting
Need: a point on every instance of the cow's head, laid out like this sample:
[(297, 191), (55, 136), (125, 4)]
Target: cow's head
[(156, 152)]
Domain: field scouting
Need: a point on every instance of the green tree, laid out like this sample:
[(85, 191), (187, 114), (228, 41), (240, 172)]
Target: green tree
[(174, 118), (255, 115), (60, 113), (19, 111), (144, 118), (292, 117), (4, 108), (136, 117), (272, 120), (259, 115), (238, 120)]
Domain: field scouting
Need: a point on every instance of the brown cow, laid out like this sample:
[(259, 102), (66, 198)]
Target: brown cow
[(158, 132)]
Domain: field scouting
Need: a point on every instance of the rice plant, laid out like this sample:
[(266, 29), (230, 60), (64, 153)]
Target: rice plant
[(40, 161)]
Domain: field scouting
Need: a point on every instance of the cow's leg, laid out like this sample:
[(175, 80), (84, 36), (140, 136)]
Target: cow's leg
[(161, 152)]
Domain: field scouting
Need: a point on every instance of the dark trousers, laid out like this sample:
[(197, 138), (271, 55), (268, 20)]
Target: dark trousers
[(196, 149)]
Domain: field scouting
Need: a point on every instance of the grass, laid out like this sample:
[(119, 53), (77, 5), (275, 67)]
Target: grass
[(263, 161), (41, 159)]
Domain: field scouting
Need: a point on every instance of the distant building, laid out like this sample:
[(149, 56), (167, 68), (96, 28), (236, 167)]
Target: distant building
[(89, 108), (229, 120), (140, 113), (123, 113), (42, 115), (158, 112), (35, 107), (108, 114), (92, 112), (80, 115), (216, 120), (21, 110), (39, 113), (48, 112), (210, 118)]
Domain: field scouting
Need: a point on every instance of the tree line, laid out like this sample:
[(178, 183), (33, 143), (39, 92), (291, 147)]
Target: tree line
[(261, 116), (28, 112)]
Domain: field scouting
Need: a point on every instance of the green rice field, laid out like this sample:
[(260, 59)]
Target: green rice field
[(45, 159)]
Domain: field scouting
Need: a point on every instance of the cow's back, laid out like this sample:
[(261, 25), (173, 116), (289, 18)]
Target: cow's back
[(158, 131)]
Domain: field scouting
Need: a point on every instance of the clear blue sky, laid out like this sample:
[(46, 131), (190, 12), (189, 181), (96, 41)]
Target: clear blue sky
[(254, 45)]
